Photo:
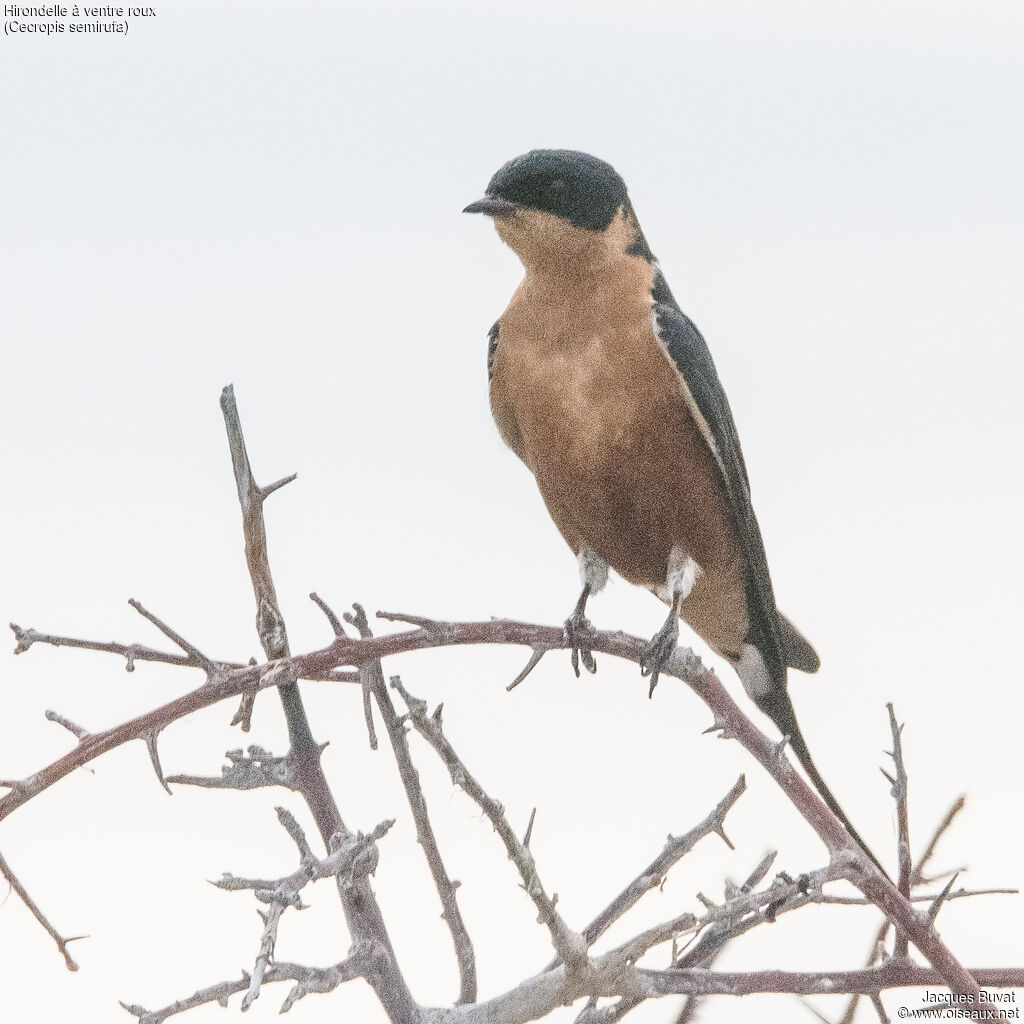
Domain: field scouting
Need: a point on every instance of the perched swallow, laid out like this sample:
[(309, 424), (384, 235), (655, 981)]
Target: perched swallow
[(607, 391)]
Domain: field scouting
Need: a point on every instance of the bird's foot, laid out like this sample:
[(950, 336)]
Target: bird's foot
[(658, 651), (578, 631)]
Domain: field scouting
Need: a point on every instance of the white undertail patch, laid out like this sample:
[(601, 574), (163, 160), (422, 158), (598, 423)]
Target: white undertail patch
[(593, 570), (753, 672)]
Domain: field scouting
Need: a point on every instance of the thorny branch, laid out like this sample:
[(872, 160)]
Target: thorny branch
[(362, 912), (395, 726), (577, 973), (684, 665), (570, 946)]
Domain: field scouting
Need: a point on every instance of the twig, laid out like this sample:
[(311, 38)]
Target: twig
[(294, 829), (899, 792), (570, 946), (353, 857), (362, 912), (450, 912), (683, 664), (917, 878), (704, 952), (62, 943), (132, 653), (371, 675), (307, 979), (76, 730), (271, 919), (257, 769), (940, 830), (655, 873), (196, 656)]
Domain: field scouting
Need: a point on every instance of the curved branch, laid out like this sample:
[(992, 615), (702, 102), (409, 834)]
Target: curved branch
[(684, 665)]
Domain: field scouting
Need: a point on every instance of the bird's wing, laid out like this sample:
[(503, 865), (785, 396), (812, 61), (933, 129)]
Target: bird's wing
[(492, 348), (707, 403)]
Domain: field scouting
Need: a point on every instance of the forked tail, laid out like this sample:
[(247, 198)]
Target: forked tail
[(777, 705)]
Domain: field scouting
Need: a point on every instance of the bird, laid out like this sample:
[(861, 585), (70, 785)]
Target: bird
[(607, 391)]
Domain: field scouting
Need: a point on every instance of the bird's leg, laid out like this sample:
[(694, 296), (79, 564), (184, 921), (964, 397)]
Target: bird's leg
[(577, 631), (682, 575), (594, 574)]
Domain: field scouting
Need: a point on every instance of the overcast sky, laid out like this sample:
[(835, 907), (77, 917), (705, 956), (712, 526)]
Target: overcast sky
[(269, 194)]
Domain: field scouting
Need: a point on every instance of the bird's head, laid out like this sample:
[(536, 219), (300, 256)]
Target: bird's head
[(560, 210)]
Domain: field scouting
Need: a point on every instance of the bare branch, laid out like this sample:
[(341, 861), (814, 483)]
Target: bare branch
[(362, 912), (256, 770), (25, 638), (354, 857), (940, 830), (373, 676), (137, 652), (294, 829), (62, 943), (899, 793), (683, 665), (76, 730), (332, 618), (307, 980), (195, 656), (271, 919), (570, 946), (655, 873)]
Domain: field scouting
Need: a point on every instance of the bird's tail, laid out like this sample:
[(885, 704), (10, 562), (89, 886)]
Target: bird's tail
[(777, 705)]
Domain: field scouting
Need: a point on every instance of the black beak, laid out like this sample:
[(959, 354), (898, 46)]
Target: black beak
[(492, 206)]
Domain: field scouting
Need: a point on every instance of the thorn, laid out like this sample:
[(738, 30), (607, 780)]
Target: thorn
[(933, 910), (720, 726), (538, 653), (720, 831), (529, 829), (266, 492), (154, 756), (708, 904)]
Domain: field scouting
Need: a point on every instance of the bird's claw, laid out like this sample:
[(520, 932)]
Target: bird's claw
[(577, 631), (659, 650)]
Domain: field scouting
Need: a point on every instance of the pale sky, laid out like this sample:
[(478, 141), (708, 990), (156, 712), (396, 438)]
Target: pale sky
[(269, 195)]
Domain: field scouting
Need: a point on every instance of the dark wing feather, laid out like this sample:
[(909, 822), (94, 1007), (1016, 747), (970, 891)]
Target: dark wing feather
[(492, 348), (689, 352)]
